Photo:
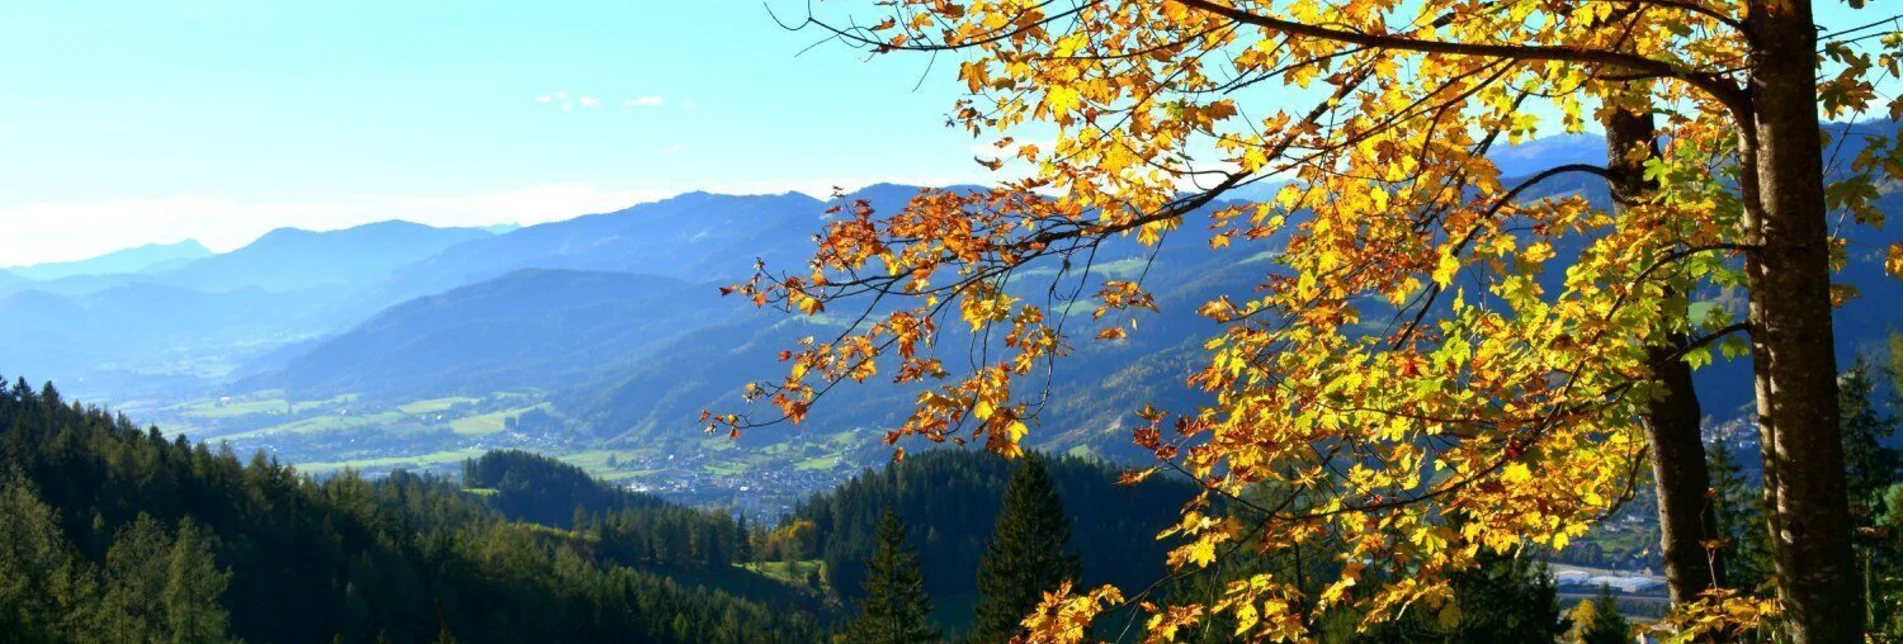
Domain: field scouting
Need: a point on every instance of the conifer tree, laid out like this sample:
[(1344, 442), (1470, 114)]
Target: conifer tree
[(1869, 465), (1028, 554), (743, 541), (1507, 599), (896, 609), (161, 587), (1870, 468), (1600, 622), (1740, 517), (46, 593)]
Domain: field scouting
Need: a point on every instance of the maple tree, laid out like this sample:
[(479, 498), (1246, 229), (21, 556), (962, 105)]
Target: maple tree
[(1672, 419), (1435, 366)]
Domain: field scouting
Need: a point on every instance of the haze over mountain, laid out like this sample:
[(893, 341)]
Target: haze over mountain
[(150, 257), (695, 236), (289, 259), (530, 328)]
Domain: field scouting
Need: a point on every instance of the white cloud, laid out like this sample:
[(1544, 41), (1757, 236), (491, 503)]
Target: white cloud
[(544, 99), (589, 101), (645, 101), (672, 149)]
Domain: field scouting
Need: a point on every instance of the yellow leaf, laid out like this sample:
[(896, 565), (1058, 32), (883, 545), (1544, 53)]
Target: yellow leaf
[(1444, 272), (1517, 473)]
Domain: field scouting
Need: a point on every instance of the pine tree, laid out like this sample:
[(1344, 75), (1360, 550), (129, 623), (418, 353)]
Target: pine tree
[(1028, 554), (193, 586), (743, 541), (1739, 511), (1508, 599), (46, 593), (1870, 466), (1600, 622), (164, 588), (896, 609)]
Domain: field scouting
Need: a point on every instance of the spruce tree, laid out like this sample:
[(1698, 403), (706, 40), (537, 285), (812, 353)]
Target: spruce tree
[(1508, 599), (896, 609), (1603, 623), (1027, 556), (1738, 507), (743, 541), (1870, 466)]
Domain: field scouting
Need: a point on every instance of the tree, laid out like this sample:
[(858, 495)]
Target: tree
[(1870, 465), (1740, 517), (46, 593), (193, 586), (1507, 599), (1598, 621), (1887, 553), (1028, 555), (1871, 470), (1418, 313), (162, 586), (743, 541), (1672, 418), (278, 557), (896, 609)]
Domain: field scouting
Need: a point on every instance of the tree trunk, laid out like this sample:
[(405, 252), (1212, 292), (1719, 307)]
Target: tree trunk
[(1672, 421), (1791, 334)]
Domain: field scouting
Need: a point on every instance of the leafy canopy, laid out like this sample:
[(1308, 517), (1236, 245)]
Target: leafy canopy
[(1435, 365)]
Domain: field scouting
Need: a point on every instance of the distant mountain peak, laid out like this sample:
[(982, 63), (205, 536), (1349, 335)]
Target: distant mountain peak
[(128, 260)]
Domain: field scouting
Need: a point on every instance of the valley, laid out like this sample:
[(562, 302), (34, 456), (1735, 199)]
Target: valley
[(600, 339), (435, 436)]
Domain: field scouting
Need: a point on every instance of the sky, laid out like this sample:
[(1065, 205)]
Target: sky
[(125, 122)]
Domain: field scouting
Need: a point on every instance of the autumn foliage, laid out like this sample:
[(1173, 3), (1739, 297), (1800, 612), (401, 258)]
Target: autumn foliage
[(1436, 365)]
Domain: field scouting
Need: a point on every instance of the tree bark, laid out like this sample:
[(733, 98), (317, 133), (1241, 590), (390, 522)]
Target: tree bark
[(1792, 340), (1681, 477)]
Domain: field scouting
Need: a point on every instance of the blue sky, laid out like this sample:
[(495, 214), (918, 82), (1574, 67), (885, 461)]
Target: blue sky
[(130, 121)]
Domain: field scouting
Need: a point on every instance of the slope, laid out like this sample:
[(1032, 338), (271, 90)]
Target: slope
[(291, 560), (531, 328)]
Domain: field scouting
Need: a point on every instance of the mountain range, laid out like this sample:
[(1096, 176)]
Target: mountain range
[(142, 259), (615, 318)]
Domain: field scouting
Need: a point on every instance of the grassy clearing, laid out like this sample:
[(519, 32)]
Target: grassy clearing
[(271, 402), (436, 404), (792, 573), (596, 460), (718, 444), (413, 462), (819, 464), (489, 423), (326, 423), (727, 468), (212, 409)]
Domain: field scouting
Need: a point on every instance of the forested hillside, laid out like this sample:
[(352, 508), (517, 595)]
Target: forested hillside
[(626, 526), (116, 533), (950, 498)]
